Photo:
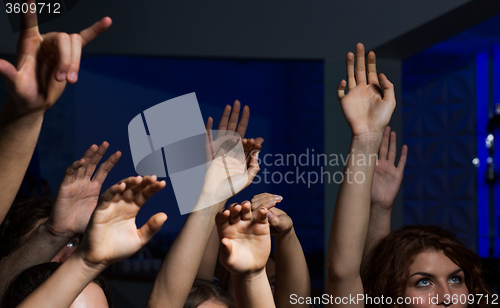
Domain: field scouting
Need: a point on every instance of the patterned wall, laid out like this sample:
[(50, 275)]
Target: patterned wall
[(439, 127)]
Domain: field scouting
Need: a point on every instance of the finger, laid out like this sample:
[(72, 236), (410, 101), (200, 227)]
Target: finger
[(149, 191), (223, 123), (359, 71), (88, 155), (70, 173), (146, 181), (62, 44), (106, 167), (267, 202), (402, 158), (209, 124), (29, 24), (221, 219), (227, 246), (151, 227), (384, 146), (233, 119), (341, 89), (76, 54), (253, 168), (392, 148), (260, 196), (351, 80), (388, 88), (243, 124), (261, 216), (111, 193), (273, 218), (96, 158), (234, 210), (246, 210), (93, 31), (8, 71), (372, 68)]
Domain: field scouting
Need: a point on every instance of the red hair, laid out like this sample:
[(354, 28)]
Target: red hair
[(387, 270)]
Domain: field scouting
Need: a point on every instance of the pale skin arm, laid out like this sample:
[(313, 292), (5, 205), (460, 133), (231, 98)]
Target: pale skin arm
[(76, 200), (246, 246), (180, 267), (292, 273), (111, 236), (367, 112), (228, 122), (45, 64), (386, 182)]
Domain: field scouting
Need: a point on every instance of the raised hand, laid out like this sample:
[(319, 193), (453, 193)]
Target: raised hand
[(387, 177), (79, 191), (45, 63), (245, 237), (366, 107), (112, 234)]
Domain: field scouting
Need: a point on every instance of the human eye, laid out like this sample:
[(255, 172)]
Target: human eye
[(455, 279), (73, 244), (423, 282)]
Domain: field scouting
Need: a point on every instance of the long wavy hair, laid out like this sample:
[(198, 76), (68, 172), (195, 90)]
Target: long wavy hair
[(387, 269)]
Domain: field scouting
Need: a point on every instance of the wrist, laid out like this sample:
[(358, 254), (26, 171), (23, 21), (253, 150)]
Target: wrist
[(16, 113), (48, 228), (290, 233), (82, 265), (250, 276)]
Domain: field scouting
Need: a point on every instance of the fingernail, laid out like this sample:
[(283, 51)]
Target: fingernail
[(61, 76), (270, 214), (73, 76), (278, 198)]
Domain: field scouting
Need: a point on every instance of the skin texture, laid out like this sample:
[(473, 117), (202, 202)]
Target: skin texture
[(57, 237), (435, 279), (185, 262), (367, 109), (91, 296), (45, 64), (111, 235), (246, 246)]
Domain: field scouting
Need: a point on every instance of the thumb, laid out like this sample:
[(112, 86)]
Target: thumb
[(273, 218), (227, 247), (8, 71), (152, 226)]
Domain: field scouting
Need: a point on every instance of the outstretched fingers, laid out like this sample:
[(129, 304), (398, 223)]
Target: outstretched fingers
[(70, 174), (96, 158), (341, 89), (106, 167), (253, 168), (391, 157), (384, 146), (151, 227), (93, 31), (359, 71), (403, 157), (233, 119), (372, 68), (88, 156), (351, 79), (388, 88), (243, 124)]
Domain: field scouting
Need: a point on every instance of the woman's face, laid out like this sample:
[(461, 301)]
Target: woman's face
[(435, 281)]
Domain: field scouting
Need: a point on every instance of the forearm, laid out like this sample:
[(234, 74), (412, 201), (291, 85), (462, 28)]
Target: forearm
[(64, 286), (18, 138), (379, 227), (253, 290), (206, 270), (40, 247), (292, 273), (179, 269), (352, 210)]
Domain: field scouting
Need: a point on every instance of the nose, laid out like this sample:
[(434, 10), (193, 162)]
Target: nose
[(445, 296)]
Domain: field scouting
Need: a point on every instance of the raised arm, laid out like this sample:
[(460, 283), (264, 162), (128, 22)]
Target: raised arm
[(386, 182), (292, 273), (246, 246), (228, 122), (180, 267), (76, 200), (112, 235), (45, 63), (367, 111)]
